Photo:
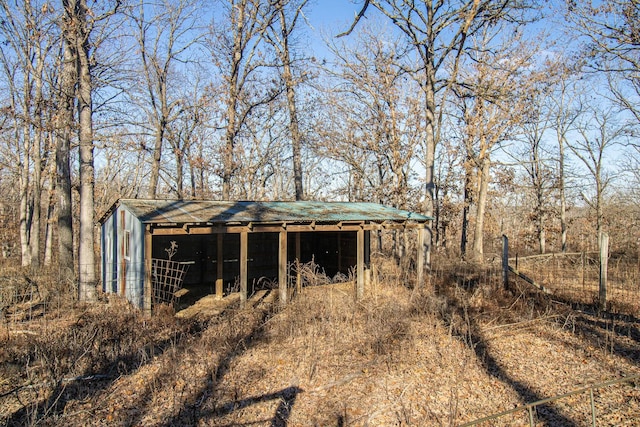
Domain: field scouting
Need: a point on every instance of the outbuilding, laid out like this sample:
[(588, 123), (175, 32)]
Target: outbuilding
[(223, 246)]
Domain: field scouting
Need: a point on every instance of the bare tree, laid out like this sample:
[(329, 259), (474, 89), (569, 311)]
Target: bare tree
[(490, 98), (565, 110), (597, 134), (77, 24), (536, 156), (262, 156), (540, 176), (238, 49), (281, 37), (439, 32), (29, 35), (375, 99), (64, 129), (449, 159), (86, 251), (611, 35), (183, 132), (164, 40)]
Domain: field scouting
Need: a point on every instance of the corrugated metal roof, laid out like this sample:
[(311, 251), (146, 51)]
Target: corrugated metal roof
[(217, 212)]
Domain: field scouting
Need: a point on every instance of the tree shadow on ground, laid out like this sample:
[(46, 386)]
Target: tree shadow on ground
[(617, 333), (470, 333), (611, 333), (201, 402), (69, 387), (286, 397)]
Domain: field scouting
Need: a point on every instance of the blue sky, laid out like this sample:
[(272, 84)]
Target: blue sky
[(329, 13), (328, 18)]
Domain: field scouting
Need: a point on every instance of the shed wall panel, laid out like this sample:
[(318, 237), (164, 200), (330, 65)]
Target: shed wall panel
[(134, 274)]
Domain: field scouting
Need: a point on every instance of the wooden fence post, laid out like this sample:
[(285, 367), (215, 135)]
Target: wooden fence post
[(638, 246), (604, 258), (505, 261), (583, 258)]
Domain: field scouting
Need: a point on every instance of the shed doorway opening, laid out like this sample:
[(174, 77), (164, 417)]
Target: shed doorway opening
[(333, 252)]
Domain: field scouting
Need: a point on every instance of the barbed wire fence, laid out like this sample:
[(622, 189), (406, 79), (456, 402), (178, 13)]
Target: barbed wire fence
[(27, 295), (589, 404), (610, 282)]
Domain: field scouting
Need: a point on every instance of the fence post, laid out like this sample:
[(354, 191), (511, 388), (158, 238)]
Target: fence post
[(505, 261), (583, 258), (604, 257)]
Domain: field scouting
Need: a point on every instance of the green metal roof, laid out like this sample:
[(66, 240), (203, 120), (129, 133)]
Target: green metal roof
[(219, 212)]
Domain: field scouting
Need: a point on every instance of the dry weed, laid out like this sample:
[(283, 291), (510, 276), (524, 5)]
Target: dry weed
[(43, 368), (443, 354)]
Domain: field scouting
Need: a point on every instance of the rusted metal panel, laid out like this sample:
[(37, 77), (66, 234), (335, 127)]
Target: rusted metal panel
[(217, 212)]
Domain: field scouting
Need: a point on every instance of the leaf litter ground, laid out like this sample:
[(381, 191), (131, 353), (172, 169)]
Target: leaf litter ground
[(445, 355)]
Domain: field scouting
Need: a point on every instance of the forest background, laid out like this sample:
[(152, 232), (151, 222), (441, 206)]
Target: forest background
[(515, 117)]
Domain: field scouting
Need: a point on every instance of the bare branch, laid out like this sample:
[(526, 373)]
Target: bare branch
[(356, 19)]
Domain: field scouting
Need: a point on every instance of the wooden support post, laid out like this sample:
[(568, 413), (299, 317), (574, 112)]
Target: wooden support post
[(299, 275), (421, 257), (505, 261), (282, 267), (360, 264), (405, 245), (367, 258), (339, 242), (604, 259), (402, 254), (147, 291), (219, 266), (244, 242)]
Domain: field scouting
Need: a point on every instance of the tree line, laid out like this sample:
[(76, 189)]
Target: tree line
[(492, 116)]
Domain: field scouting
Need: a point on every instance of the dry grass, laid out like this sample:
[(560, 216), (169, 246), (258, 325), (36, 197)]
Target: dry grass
[(453, 352), (575, 277)]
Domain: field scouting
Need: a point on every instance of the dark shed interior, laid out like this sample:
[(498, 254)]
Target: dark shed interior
[(334, 252)]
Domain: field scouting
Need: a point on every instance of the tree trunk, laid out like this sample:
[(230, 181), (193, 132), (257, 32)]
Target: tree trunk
[(538, 183), (296, 138), (478, 232), (37, 161), (430, 153), (155, 164), (227, 156), (179, 173), (86, 254), (50, 206), (232, 101), (48, 230), (25, 199), (563, 198), (467, 200), (66, 96), (542, 241), (34, 235)]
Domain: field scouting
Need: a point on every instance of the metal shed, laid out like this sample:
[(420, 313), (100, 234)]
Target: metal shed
[(233, 242)]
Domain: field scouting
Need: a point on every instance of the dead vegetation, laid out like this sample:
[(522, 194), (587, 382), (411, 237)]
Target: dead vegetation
[(458, 350)]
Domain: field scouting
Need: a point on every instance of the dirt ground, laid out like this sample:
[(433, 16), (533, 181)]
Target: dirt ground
[(441, 356)]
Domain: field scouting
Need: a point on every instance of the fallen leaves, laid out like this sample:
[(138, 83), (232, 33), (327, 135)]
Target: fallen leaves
[(327, 360)]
